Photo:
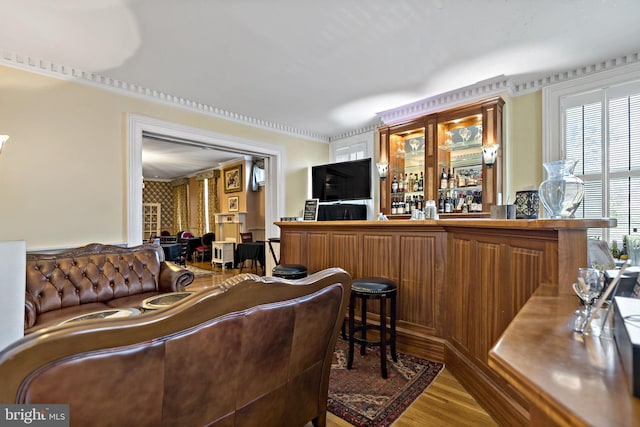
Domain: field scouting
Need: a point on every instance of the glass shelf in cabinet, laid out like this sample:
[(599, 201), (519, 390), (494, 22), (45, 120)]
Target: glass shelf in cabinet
[(467, 188), (417, 153), (461, 163), (408, 193), (460, 145)]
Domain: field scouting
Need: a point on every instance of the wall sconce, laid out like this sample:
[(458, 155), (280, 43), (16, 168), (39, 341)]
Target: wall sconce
[(3, 139), (489, 154), (383, 169)]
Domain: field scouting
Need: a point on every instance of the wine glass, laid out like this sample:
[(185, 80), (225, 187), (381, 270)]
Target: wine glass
[(464, 133), (588, 287)]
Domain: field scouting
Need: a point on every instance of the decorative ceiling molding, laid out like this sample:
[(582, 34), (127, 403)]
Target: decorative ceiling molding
[(63, 72), (355, 132), (452, 99), (495, 86)]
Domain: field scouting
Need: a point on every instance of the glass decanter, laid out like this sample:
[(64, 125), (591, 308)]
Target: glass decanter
[(561, 192)]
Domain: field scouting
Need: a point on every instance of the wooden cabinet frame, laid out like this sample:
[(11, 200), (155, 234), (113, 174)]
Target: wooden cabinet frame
[(490, 110)]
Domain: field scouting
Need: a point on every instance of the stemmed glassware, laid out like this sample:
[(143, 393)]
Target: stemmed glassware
[(588, 287)]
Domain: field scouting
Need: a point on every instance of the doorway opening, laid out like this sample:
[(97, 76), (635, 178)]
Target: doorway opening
[(137, 126)]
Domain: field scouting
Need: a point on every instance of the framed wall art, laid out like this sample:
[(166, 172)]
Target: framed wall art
[(233, 179), (234, 203)]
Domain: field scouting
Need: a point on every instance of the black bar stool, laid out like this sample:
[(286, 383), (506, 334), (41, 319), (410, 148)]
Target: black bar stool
[(378, 288), (285, 271)]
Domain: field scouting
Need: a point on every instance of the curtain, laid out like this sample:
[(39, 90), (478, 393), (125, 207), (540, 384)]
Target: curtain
[(202, 225), (180, 205), (257, 174), (213, 203)]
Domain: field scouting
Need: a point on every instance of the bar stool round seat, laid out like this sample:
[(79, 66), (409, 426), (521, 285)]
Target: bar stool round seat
[(378, 288), (290, 271)]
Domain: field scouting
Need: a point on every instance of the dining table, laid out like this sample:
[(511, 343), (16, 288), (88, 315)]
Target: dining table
[(253, 251)]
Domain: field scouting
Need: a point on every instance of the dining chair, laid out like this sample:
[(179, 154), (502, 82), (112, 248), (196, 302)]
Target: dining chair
[(248, 238), (184, 252), (205, 248)]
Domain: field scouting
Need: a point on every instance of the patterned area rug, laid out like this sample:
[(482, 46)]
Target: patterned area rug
[(363, 398)]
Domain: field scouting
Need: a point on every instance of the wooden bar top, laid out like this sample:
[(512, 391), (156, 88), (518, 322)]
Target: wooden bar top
[(525, 224), (570, 379)]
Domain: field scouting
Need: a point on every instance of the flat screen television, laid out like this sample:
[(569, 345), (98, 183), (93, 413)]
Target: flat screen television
[(341, 181)]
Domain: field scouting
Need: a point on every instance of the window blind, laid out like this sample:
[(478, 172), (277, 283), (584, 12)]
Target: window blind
[(602, 132)]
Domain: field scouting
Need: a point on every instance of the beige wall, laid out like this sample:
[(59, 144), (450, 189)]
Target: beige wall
[(523, 153), (63, 171)]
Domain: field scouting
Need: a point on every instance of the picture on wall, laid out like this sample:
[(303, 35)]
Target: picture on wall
[(233, 179), (233, 203)]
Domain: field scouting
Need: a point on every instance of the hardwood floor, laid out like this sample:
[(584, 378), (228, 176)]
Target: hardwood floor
[(444, 403)]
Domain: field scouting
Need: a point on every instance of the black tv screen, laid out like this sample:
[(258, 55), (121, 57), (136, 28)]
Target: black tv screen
[(342, 181)]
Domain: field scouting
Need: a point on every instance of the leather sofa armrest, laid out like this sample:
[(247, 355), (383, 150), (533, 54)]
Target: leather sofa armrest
[(30, 311), (173, 278)]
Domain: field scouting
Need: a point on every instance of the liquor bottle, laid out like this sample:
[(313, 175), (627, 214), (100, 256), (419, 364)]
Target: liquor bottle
[(407, 205), (479, 201), (443, 179), (448, 208), (416, 183), (461, 181), (394, 207), (451, 179), (400, 207), (459, 202), (400, 185), (406, 183), (465, 206), (394, 184), (441, 203), (421, 182)]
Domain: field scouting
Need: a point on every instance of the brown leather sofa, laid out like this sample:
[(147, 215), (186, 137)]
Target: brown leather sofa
[(95, 277), (256, 351)]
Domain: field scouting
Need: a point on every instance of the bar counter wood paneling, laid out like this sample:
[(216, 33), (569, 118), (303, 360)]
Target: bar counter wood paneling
[(460, 283), (570, 379)]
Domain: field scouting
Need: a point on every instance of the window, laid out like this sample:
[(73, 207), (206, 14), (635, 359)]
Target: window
[(353, 148), (600, 128)]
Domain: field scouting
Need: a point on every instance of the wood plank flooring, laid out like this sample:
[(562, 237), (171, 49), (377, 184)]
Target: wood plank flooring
[(445, 403)]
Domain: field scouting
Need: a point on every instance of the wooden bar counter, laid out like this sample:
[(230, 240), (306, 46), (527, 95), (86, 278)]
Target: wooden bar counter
[(570, 379), (460, 283)]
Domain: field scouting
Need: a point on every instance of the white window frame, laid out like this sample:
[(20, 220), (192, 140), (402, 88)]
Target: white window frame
[(555, 98), (355, 147)]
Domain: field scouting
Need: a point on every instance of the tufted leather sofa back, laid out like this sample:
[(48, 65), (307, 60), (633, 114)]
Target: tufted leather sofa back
[(92, 273), (254, 351)]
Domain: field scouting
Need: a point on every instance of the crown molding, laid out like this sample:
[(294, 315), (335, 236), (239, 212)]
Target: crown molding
[(496, 86), (444, 101), (355, 132), (76, 75)]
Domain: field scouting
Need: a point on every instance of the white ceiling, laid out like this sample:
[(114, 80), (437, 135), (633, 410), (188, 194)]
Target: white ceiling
[(325, 67)]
